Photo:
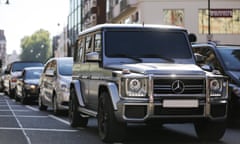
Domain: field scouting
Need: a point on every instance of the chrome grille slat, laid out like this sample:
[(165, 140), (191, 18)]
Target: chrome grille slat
[(192, 86)]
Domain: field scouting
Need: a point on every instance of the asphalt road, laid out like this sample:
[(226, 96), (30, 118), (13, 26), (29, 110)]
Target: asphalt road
[(25, 124)]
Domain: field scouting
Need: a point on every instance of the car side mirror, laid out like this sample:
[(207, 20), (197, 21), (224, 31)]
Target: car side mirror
[(6, 72), (49, 73), (199, 58), (206, 68), (192, 37), (93, 57)]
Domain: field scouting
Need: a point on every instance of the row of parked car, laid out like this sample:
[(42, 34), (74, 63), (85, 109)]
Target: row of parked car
[(30, 81), (139, 73)]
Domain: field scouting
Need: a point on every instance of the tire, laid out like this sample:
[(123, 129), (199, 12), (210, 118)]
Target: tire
[(75, 118), (56, 110), (110, 130), (41, 106), (210, 130), (15, 96), (24, 99)]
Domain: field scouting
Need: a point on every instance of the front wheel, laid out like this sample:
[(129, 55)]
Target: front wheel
[(24, 99), (56, 109), (75, 117), (210, 130), (41, 106), (110, 130)]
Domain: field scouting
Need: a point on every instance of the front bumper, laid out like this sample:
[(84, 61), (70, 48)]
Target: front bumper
[(63, 100), (141, 111)]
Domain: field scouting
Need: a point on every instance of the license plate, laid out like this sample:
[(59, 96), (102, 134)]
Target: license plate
[(180, 103)]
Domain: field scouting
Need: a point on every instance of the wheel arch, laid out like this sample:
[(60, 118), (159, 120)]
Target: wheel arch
[(75, 84), (112, 90)]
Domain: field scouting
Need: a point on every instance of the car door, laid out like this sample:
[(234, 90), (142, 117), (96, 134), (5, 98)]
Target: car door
[(19, 85), (47, 82)]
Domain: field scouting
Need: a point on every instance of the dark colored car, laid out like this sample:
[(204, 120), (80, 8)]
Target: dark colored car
[(13, 71), (27, 88), (225, 60)]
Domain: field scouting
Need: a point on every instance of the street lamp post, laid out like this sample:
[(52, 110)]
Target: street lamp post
[(209, 15), (209, 36)]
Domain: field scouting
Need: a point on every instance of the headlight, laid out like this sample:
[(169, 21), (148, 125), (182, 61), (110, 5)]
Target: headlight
[(136, 87), (64, 87), (30, 86), (216, 87)]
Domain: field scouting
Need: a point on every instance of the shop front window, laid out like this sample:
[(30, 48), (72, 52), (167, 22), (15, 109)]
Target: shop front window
[(173, 17), (222, 21)]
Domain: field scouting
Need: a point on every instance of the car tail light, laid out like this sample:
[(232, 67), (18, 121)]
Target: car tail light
[(14, 79)]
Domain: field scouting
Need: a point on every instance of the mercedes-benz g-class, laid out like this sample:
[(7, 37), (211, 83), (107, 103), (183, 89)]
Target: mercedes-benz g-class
[(143, 73)]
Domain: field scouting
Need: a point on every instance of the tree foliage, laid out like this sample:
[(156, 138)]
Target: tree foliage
[(36, 47)]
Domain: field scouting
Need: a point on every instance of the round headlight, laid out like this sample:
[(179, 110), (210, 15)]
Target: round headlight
[(134, 85), (215, 85)]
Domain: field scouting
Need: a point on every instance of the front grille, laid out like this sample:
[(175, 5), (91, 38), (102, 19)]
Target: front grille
[(191, 86)]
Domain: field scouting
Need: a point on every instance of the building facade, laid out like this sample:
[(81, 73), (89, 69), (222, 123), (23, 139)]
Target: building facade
[(192, 14), (3, 52), (222, 24)]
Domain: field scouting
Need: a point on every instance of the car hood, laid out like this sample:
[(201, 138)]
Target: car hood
[(32, 81), (156, 68), (16, 74), (235, 75)]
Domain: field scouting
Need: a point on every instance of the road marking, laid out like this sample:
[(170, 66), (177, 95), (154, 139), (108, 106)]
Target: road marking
[(19, 124), (37, 129), (59, 119), (14, 110), (24, 116), (32, 108)]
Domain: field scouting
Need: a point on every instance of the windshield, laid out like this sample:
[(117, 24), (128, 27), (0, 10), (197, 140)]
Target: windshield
[(21, 66), (65, 68), (33, 74), (147, 44), (231, 57)]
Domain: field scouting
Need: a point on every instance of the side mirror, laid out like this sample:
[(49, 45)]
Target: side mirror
[(49, 73), (6, 72), (199, 58), (192, 37), (206, 68), (93, 57)]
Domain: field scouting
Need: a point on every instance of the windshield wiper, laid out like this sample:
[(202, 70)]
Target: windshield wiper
[(159, 56), (127, 56)]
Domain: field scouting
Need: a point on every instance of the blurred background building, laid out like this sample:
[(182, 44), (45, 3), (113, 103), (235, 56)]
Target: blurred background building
[(223, 27), (3, 52)]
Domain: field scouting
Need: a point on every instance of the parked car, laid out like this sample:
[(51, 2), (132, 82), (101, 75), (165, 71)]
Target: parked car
[(1, 81), (225, 60), (54, 84), (27, 87), (12, 72), (143, 74)]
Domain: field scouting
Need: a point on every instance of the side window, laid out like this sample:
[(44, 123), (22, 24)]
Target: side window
[(97, 42), (79, 51), (54, 66), (47, 67), (209, 58), (88, 43)]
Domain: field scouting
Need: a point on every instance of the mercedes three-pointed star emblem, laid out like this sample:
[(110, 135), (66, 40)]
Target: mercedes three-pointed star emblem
[(178, 86)]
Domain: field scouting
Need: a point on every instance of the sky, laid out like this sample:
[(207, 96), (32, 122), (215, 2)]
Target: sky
[(24, 17)]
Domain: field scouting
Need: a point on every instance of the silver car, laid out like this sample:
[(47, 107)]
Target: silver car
[(54, 84)]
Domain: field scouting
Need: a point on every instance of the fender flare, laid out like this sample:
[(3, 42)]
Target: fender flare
[(113, 93), (77, 88)]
